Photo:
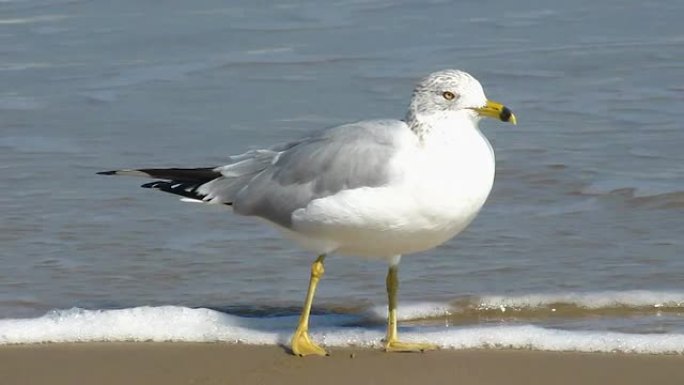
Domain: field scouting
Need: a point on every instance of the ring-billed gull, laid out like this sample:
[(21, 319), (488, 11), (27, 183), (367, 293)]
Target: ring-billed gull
[(375, 188)]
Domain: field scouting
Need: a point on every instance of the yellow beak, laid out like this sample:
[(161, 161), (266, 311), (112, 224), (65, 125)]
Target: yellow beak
[(497, 110)]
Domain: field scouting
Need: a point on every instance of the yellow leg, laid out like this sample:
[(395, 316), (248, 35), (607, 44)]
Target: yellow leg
[(301, 342), (392, 344)]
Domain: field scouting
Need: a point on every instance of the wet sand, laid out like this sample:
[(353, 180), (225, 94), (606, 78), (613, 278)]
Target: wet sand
[(195, 363)]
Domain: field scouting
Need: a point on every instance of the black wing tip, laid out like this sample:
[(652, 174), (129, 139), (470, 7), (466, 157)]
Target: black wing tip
[(187, 190), (176, 175)]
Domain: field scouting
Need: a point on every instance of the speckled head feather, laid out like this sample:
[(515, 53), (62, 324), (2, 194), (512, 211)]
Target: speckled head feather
[(429, 96)]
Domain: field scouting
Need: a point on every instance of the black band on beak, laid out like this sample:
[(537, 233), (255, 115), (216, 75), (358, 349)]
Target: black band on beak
[(505, 114)]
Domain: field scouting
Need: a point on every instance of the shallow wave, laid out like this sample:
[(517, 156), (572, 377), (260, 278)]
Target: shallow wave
[(412, 311), (637, 189), (635, 301), (173, 323), (592, 300), (635, 310)]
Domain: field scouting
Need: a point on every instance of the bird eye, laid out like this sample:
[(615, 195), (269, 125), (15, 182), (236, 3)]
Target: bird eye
[(448, 95)]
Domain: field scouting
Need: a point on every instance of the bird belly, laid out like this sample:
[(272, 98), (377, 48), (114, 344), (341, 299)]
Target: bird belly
[(376, 228), (387, 221), (437, 194)]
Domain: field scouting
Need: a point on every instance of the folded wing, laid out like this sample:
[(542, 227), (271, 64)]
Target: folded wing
[(273, 183)]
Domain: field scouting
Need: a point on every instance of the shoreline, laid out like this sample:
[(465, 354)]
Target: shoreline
[(217, 363)]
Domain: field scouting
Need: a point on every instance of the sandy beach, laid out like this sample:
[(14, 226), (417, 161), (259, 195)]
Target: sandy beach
[(208, 363)]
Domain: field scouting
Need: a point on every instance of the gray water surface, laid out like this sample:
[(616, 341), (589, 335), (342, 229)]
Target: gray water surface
[(589, 195)]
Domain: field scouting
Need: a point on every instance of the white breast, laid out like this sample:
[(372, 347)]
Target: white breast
[(440, 185)]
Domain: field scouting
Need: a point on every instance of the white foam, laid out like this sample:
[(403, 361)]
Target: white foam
[(412, 311), (166, 323), (538, 338), (596, 300), (171, 323)]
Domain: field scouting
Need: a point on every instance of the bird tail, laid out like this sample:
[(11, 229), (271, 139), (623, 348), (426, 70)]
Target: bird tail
[(180, 174), (185, 182), (206, 184)]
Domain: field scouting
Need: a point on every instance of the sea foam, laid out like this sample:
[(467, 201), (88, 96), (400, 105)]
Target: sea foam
[(173, 323), (591, 300)]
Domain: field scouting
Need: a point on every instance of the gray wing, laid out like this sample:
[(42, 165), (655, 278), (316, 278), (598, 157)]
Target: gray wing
[(273, 183), (335, 159)]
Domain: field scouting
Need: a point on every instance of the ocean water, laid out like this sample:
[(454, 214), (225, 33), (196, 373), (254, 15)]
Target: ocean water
[(580, 246)]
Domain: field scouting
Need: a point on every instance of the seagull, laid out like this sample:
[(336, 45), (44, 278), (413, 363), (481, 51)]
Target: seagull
[(377, 189)]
